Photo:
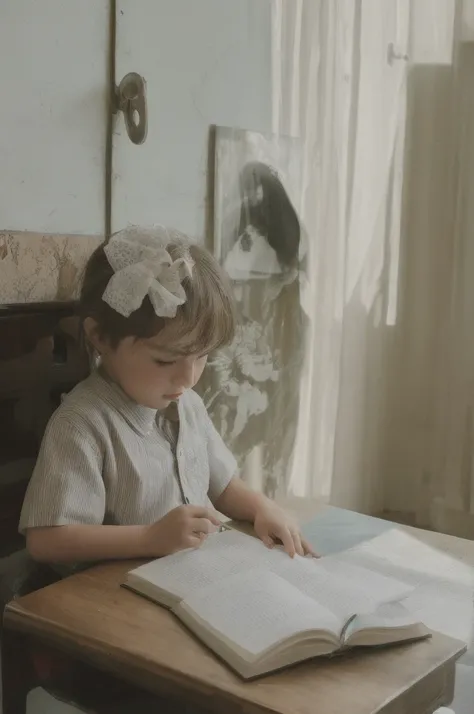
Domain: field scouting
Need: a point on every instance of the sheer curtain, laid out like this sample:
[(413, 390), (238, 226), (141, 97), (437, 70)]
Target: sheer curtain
[(380, 92), (340, 84)]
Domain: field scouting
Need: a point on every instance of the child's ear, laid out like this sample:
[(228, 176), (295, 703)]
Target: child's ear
[(91, 331)]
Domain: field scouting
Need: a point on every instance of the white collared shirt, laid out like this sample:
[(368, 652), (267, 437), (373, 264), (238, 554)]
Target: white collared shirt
[(105, 460)]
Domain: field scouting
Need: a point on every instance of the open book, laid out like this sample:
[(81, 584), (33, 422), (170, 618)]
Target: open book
[(260, 610)]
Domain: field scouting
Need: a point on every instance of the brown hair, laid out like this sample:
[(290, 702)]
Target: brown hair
[(273, 215), (205, 322)]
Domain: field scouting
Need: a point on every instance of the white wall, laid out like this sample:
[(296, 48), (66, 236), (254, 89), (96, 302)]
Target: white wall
[(205, 62), (53, 80)]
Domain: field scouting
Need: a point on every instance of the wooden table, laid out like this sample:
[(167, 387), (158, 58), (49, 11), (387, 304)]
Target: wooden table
[(90, 618)]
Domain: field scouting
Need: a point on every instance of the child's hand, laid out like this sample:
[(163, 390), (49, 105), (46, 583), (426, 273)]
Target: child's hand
[(183, 527), (272, 525)]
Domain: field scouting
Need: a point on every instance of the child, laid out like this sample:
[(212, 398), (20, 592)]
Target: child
[(130, 464)]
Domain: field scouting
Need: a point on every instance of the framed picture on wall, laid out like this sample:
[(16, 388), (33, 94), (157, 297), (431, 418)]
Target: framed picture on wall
[(252, 388)]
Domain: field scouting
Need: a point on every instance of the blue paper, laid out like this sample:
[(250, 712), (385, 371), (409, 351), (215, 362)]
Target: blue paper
[(335, 529)]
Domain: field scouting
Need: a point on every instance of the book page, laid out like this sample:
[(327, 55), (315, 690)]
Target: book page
[(344, 589), (399, 552), (387, 616), (443, 608), (256, 610), (442, 586), (221, 555)]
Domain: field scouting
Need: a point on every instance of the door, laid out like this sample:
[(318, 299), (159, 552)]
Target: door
[(205, 63)]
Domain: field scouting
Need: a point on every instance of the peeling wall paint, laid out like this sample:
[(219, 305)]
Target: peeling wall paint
[(37, 267)]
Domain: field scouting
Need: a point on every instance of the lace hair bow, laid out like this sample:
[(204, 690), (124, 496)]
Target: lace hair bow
[(142, 266)]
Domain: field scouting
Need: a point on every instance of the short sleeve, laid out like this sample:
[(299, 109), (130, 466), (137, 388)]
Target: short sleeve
[(66, 487), (222, 464)]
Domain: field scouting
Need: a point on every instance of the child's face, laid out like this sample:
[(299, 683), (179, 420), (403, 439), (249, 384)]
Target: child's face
[(150, 373)]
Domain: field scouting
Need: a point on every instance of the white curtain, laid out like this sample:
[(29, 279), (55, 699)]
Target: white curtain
[(378, 92), (339, 83)]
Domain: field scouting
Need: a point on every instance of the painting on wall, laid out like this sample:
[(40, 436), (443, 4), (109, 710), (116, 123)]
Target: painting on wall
[(252, 388)]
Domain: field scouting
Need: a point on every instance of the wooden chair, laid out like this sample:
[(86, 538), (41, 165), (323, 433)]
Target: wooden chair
[(40, 358)]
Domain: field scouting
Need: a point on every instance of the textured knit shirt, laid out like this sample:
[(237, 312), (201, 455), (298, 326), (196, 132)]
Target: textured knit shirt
[(106, 460)]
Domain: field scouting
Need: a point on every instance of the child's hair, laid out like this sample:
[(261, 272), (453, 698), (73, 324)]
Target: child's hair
[(205, 322), (272, 214)]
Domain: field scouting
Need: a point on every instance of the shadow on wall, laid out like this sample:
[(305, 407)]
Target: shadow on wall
[(428, 453), (40, 358)]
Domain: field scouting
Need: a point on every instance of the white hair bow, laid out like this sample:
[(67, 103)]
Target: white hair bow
[(142, 266)]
